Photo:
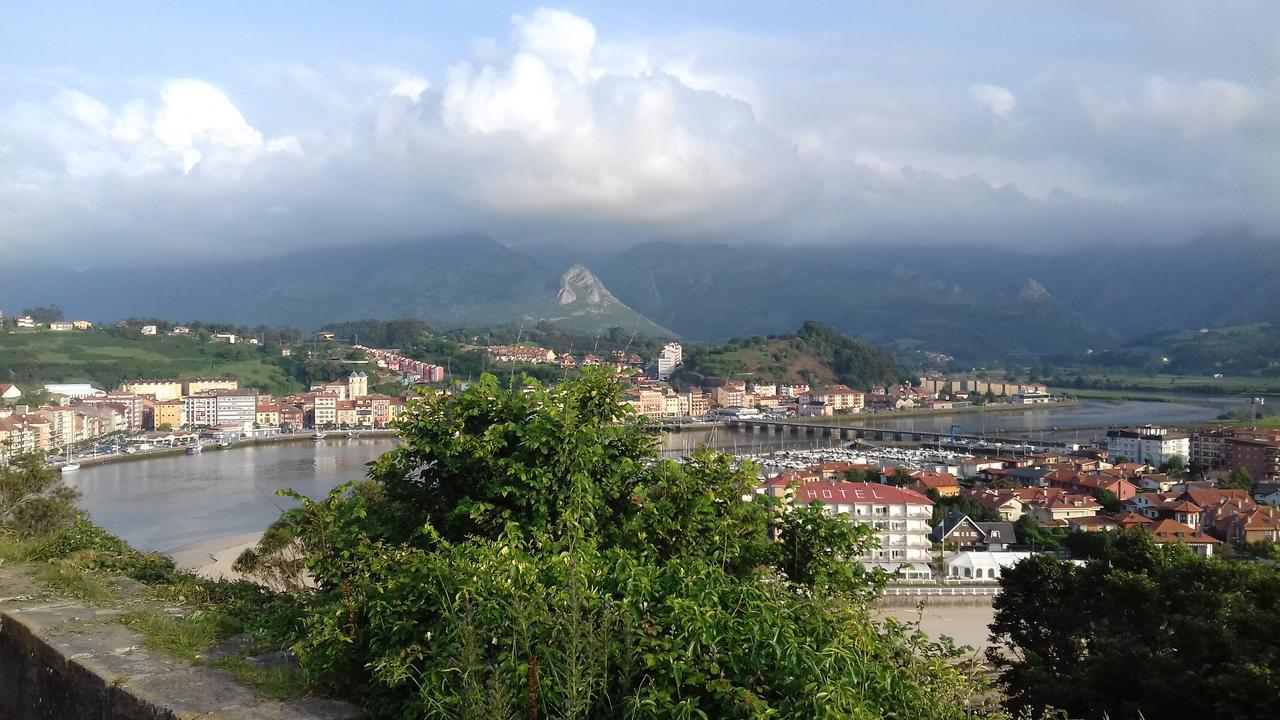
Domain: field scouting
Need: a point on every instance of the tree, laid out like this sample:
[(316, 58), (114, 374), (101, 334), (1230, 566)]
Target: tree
[(525, 552), (1110, 502), (43, 314), (1239, 479), (1145, 630), (33, 500), (901, 477), (1174, 467)]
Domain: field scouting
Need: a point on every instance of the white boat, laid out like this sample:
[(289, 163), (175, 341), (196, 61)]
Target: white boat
[(195, 449), (318, 436), (70, 467)]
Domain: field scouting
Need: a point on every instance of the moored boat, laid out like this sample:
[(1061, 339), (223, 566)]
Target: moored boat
[(70, 467)]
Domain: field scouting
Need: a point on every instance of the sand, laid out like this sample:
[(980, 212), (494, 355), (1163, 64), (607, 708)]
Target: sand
[(212, 559), (965, 624)]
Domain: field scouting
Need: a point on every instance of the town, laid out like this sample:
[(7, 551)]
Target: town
[(1207, 487)]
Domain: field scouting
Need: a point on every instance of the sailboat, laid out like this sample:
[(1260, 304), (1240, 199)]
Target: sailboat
[(70, 466)]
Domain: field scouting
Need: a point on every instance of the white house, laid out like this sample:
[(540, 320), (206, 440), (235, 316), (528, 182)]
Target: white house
[(9, 392), (74, 390), (148, 329)]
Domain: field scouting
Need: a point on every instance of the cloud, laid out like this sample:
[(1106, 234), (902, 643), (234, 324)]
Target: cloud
[(560, 131), (999, 101)]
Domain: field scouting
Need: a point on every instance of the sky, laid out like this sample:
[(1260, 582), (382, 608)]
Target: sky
[(133, 131)]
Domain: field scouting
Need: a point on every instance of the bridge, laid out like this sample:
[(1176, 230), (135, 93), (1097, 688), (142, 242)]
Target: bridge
[(879, 434)]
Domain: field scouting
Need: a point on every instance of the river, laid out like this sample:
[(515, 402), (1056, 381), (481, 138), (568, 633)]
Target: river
[(166, 503)]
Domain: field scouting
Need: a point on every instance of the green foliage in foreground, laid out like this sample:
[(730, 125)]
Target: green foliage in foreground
[(33, 500), (1144, 630), (524, 554)]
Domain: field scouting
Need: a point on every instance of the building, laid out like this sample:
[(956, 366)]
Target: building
[(180, 330), (62, 425), (199, 385), (1149, 444), (520, 354), (82, 325), (9, 393), (900, 518), (1256, 453), (357, 385), (201, 410), (61, 326), (75, 391), (228, 338), (984, 565), (160, 390), (670, 358), (268, 415), (838, 399), (132, 405), (237, 408), (24, 321), (149, 329), (945, 484), (325, 410), (169, 413), (1171, 531)]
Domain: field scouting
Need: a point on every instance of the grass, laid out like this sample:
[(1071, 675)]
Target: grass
[(74, 582), (280, 682), (185, 637)]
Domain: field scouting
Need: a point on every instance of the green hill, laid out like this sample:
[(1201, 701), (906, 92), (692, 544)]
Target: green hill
[(34, 357), (816, 354)]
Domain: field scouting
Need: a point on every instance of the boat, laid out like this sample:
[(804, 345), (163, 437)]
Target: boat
[(224, 445), (70, 467), (195, 449), (318, 436), (352, 435)]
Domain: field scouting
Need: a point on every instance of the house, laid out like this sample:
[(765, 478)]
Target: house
[(82, 325), (1149, 444), (1256, 525), (228, 338), (9, 392), (1130, 520), (1006, 503), (1265, 492), (148, 329), (982, 565), (180, 330), (1057, 509), (1095, 523), (25, 321), (60, 326), (1172, 531), (959, 530), (944, 484)]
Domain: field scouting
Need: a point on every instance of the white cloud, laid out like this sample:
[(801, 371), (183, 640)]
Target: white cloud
[(999, 101), (556, 129)]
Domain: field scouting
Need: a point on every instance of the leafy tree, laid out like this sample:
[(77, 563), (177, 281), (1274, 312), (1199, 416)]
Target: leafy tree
[(1109, 501), (1146, 630), (525, 553), (44, 314), (1175, 466), (33, 500), (1029, 533), (1239, 479), (901, 478)]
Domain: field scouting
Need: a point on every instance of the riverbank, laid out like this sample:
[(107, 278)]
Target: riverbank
[(247, 442), (212, 559), (868, 418)]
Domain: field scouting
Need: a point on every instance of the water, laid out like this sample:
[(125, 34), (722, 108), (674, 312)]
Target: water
[(170, 502)]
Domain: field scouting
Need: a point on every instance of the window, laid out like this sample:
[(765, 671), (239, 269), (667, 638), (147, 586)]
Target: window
[(968, 573), (995, 534)]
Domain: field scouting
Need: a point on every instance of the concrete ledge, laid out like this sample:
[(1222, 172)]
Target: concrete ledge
[(70, 661)]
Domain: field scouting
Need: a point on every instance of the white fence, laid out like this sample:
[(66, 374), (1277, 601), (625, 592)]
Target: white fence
[(936, 591)]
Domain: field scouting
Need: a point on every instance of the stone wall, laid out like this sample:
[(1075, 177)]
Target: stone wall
[(64, 660)]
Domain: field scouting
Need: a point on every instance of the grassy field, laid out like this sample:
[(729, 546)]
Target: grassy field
[(32, 358), (1163, 385)]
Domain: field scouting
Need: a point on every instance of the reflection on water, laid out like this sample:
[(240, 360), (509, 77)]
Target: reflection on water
[(165, 503)]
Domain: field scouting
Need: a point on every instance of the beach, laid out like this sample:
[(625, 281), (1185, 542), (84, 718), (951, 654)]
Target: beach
[(212, 559), (965, 624)]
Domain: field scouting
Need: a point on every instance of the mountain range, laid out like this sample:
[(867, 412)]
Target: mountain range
[(973, 303)]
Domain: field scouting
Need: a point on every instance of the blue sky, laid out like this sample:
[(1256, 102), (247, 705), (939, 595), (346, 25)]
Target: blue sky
[(154, 128)]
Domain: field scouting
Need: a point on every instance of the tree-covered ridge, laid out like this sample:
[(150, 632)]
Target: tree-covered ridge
[(524, 553), (815, 354)]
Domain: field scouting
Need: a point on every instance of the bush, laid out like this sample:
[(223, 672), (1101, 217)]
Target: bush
[(524, 552)]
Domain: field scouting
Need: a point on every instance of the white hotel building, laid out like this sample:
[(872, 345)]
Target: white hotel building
[(901, 518), (1148, 444)]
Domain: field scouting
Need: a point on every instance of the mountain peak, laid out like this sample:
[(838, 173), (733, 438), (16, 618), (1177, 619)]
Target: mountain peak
[(578, 283), (1033, 292)]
